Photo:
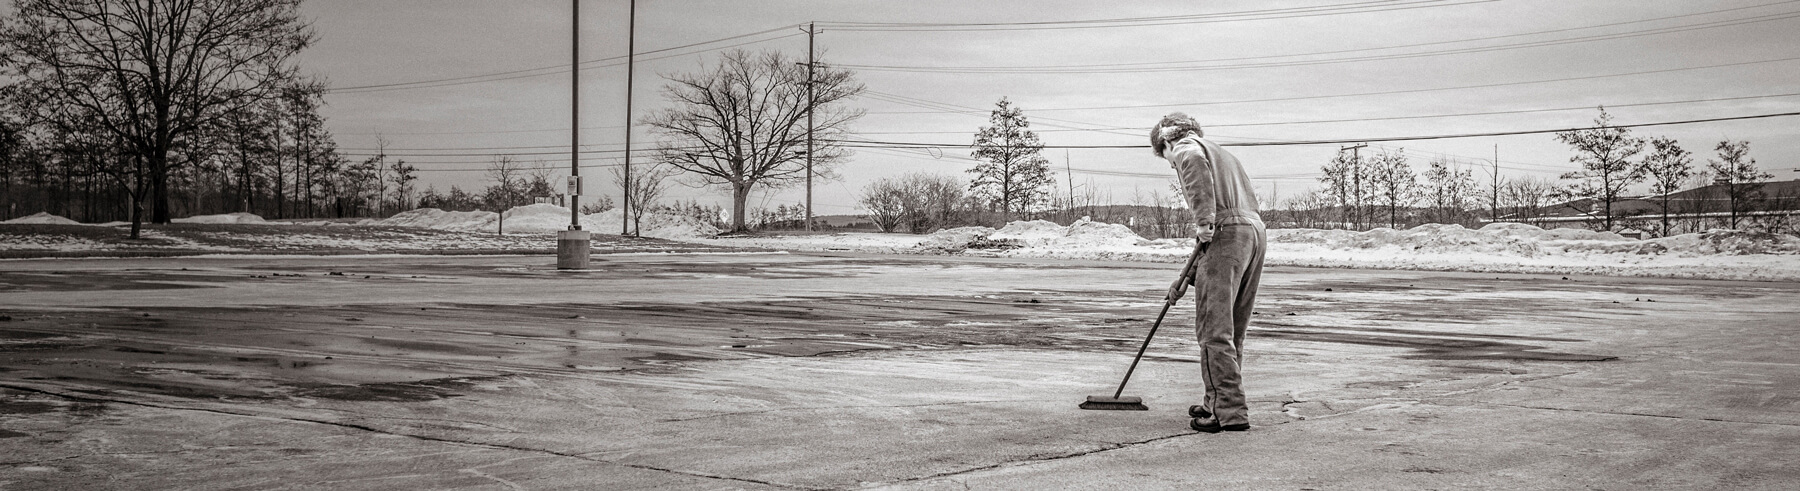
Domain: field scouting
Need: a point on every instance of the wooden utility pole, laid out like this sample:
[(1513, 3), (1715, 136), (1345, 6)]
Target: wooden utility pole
[(1356, 172), (1494, 216), (1069, 172), (811, 31)]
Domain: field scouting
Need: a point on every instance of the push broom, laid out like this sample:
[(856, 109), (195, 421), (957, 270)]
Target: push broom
[(1133, 403)]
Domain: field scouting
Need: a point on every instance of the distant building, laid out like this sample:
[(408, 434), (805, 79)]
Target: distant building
[(1690, 210)]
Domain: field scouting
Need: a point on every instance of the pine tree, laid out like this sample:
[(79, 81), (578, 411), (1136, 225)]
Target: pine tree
[(1013, 176)]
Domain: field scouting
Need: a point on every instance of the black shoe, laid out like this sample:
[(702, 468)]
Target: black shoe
[(1198, 411), (1210, 425)]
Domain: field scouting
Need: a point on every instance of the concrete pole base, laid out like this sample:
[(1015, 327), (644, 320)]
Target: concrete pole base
[(572, 249)]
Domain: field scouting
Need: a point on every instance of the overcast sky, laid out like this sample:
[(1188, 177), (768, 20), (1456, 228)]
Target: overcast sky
[(1082, 83)]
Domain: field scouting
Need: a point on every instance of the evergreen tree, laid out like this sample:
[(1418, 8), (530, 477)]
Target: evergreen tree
[(1013, 176)]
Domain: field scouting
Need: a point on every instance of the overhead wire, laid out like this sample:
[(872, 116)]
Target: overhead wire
[(1399, 91), (1210, 18), (557, 69), (1096, 69), (854, 143), (1432, 43)]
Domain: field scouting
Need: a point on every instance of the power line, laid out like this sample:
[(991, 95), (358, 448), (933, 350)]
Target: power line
[(546, 130), (854, 143), (1396, 92), (881, 144), (1115, 129), (1142, 68), (1395, 118), (554, 69), (1217, 17), (1433, 43)]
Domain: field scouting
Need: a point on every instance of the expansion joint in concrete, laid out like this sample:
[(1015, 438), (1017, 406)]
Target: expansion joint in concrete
[(353, 426), (1615, 413), (1034, 460)]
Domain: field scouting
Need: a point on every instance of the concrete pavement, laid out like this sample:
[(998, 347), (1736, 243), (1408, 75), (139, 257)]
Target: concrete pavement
[(848, 371)]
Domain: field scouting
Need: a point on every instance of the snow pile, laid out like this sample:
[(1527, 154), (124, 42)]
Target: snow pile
[(537, 218), (1711, 242), (434, 218), (956, 240), (542, 218), (1430, 237), (655, 224), (42, 218), (237, 218), (1084, 234), (1505, 247), (1529, 232)]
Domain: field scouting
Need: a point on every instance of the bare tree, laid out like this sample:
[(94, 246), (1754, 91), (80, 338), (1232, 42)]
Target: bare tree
[(1310, 209), (886, 203), (1013, 174), (508, 187), (648, 184), (1737, 172), (1527, 197), (744, 122), (152, 72), (1667, 166), (1447, 190), (1347, 179), (402, 175), (1604, 153), (1394, 182)]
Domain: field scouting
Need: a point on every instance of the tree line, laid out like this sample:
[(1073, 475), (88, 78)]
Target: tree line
[(146, 110)]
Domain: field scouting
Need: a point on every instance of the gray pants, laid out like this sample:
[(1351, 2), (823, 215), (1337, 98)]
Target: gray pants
[(1225, 291)]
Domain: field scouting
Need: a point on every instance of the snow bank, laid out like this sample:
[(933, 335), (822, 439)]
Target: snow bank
[(42, 218), (1429, 238), (1503, 247), (544, 218), (237, 218), (656, 224), (1711, 242), (530, 219), (1084, 234)]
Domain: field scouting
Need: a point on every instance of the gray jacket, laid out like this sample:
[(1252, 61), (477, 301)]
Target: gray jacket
[(1218, 190)]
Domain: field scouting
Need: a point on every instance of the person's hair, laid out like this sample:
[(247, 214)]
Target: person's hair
[(1178, 120)]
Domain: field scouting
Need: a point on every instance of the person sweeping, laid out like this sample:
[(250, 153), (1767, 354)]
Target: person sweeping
[(1225, 277)]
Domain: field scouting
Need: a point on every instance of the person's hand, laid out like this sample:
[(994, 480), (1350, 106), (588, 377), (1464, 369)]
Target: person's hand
[(1178, 289), (1203, 234)]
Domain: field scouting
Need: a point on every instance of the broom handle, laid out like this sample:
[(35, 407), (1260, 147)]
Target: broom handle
[(1169, 302)]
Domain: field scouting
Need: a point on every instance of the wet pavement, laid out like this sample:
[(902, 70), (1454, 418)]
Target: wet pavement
[(722, 371)]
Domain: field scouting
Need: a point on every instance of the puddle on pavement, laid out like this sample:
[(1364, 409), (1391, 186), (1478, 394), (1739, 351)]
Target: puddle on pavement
[(382, 352)]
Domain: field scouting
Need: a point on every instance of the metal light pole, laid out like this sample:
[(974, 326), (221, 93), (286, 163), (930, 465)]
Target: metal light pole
[(572, 245), (630, 64)]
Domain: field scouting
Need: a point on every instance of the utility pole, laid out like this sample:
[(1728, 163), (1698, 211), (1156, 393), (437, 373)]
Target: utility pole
[(1070, 173), (1356, 173), (572, 244), (811, 31), (630, 64), (1494, 216)]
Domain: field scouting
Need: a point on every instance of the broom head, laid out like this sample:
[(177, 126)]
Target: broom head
[(1106, 403)]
